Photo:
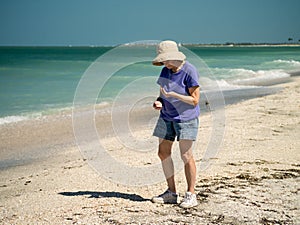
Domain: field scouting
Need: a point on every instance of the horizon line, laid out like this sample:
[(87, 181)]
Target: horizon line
[(179, 43)]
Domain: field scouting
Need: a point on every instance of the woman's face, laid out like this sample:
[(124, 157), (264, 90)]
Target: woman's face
[(172, 64), (168, 64)]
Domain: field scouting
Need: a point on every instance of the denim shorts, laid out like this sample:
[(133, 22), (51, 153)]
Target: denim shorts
[(168, 130)]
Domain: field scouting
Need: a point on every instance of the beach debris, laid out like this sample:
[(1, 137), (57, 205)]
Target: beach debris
[(27, 182)]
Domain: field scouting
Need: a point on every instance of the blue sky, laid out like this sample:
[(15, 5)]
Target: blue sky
[(113, 22)]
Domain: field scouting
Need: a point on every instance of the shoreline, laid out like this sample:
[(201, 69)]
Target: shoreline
[(232, 94), (252, 180)]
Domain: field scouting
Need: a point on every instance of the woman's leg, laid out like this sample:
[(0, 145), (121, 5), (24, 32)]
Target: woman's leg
[(164, 153), (189, 163)]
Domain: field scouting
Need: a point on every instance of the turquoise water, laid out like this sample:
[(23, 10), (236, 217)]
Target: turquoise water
[(40, 80)]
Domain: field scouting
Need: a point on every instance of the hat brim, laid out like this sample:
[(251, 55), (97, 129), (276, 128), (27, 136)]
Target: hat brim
[(160, 58)]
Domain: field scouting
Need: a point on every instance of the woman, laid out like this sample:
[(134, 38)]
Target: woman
[(179, 112)]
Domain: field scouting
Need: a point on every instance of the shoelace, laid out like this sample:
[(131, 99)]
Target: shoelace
[(188, 198)]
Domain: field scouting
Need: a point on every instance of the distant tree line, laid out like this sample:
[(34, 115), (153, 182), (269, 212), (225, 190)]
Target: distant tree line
[(291, 39)]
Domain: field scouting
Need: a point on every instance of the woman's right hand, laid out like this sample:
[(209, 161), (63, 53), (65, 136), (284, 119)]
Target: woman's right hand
[(157, 105)]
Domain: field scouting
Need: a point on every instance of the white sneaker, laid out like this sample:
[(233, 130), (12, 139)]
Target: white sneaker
[(166, 197), (189, 201)]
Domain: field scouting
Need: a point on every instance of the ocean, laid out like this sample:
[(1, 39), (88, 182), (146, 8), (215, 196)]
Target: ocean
[(37, 81)]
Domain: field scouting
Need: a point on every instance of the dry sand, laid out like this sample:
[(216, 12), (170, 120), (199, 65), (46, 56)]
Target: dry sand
[(253, 180)]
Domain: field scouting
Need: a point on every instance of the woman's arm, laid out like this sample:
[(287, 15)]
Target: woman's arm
[(192, 99)]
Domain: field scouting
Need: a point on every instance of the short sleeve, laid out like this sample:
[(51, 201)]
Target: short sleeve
[(192, 78)]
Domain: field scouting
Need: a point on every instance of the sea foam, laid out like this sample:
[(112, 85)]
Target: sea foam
[(287, 63), (264, 78), (12, 119)]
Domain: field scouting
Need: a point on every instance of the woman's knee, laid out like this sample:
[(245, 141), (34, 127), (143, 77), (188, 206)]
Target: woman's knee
[(187, 156), (164, 149), (163, 154)]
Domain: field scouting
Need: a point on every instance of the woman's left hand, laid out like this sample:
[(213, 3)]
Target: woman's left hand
[(192, 99), (165, 93)]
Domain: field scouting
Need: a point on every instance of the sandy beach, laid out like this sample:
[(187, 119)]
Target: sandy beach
[(254, 179)]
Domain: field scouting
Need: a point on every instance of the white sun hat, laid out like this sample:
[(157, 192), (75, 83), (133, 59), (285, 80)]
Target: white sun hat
[(167, 50)]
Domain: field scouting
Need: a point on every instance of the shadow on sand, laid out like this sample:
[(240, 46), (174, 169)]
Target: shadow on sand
[(107, 194)]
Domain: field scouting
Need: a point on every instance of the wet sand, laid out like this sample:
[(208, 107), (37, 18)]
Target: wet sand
[(254, 179)]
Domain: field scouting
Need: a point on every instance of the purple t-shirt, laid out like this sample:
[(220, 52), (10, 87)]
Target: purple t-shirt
[(173, 109)]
